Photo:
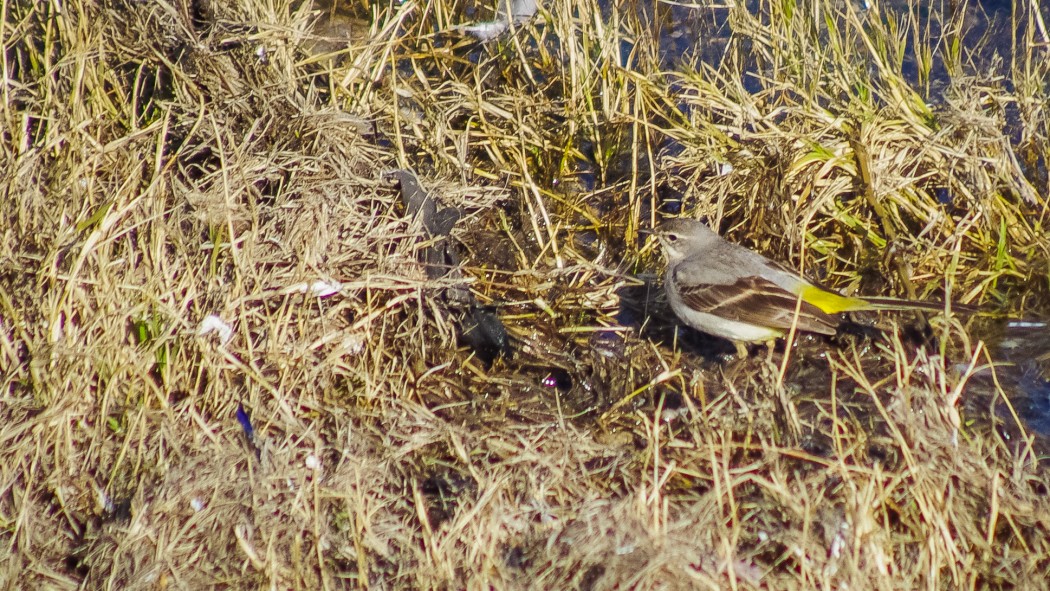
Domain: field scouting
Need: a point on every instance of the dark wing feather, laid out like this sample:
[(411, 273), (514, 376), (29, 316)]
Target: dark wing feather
[(758, 301)]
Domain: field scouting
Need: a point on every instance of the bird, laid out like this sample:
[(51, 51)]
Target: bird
[(729, 291)]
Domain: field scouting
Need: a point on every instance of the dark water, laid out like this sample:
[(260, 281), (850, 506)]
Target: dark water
[(1024, 349), (985, 30)]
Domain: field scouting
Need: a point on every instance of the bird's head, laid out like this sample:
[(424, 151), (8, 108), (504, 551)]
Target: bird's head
[(682, 237)]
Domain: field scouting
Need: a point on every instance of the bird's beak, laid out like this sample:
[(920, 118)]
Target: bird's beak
[(647, 232)]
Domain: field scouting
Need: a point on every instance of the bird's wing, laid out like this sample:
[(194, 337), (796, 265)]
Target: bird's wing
[(756, 300)]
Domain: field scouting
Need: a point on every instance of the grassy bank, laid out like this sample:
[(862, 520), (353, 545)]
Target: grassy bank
[(167, 163)]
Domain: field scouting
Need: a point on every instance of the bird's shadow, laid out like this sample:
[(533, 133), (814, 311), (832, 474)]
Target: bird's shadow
[(644, 308)]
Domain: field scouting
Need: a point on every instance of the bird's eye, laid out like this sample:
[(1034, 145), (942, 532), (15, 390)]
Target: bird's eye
[(672, 237)]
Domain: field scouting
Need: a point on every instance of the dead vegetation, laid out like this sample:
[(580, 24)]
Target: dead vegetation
[(167, 163)]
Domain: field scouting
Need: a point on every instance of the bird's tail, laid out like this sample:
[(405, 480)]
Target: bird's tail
[(833, 303), (879, 303)]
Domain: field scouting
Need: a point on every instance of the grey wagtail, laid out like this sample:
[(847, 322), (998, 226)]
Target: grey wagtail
[(728, 291)]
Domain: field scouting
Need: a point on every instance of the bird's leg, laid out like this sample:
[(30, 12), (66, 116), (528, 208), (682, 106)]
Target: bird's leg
[(771, 346), (741, 349)]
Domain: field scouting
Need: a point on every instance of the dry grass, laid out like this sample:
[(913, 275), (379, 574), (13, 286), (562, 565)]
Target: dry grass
[(167, 162)]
